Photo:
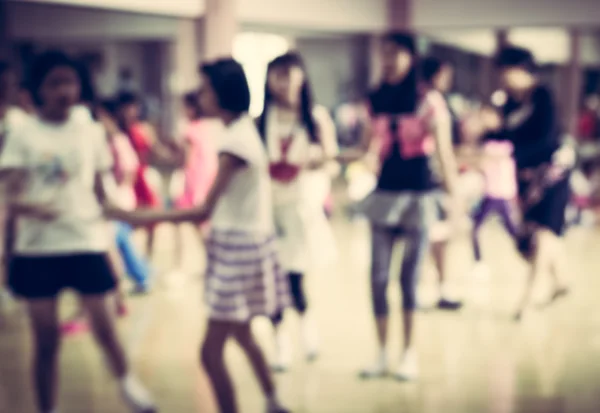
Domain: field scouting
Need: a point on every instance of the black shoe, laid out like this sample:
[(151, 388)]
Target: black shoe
[(447, 305)]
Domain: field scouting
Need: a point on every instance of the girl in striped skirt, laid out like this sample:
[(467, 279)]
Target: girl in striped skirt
[(243, 279)]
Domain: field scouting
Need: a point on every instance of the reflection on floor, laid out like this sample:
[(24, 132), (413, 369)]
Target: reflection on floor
[(477, 360)]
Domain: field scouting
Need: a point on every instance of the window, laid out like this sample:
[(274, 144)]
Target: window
[(254, 51)]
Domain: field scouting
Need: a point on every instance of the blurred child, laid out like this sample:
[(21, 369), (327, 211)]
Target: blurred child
[(201, 160), (499, 171)]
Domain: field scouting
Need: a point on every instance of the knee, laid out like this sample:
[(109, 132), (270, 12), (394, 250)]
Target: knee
[(409, 297), (380, 304), (206, 357)]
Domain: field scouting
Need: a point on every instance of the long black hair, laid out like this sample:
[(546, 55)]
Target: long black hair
[(402, 97), (229, 82), (289, 60)]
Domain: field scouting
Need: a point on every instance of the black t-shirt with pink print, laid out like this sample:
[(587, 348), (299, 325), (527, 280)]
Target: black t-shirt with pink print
[(405, 144)]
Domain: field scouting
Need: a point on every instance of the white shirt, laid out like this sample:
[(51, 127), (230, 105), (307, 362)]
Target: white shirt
[(245, 205), (63, 161), (300, 152)]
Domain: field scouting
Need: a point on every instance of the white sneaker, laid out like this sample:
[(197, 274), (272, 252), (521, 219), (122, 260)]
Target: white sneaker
[(408, 370), (481, 270), (283, 354), (378, 369), (137, 396), (310, 339)]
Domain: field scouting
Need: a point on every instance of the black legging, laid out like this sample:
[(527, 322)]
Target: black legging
[(297, 289)]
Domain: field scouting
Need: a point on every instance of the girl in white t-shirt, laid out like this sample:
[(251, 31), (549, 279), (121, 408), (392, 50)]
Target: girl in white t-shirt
[(300, 139), (62, 237), (243, 278)]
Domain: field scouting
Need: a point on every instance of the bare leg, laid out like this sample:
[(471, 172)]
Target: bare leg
[(214, 364), (44, 322), (150, 241), (243, 335), (438, 250), (540, 262), (103, 326), (104, 329), (558, 267)]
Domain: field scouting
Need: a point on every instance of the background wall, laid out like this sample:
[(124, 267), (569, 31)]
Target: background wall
[(338, 67), (505, 13)]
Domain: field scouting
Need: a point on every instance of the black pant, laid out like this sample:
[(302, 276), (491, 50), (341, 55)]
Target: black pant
[(297, 289)]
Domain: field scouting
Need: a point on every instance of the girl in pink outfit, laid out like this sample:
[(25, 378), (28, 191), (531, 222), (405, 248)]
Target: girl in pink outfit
[(499, 171), (201, 159)]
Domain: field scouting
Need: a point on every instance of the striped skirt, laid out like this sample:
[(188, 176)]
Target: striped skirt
[(244, 278)]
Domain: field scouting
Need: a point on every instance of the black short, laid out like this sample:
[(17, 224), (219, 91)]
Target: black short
[(35, 277), (549, 212)]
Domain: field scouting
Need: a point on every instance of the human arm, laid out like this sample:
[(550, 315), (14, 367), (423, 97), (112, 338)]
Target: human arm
[(329, 148), (229, 165), (364, 147)]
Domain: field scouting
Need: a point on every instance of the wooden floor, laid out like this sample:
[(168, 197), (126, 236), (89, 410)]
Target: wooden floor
[(476, 360)]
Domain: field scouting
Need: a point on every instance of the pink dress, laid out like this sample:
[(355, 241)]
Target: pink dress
[(202, 162), (500, 171), (126, 163)]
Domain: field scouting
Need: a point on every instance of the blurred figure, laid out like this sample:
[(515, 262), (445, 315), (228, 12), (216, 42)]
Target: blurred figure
[(201, 160), (587, 123), (143, 138), (438, 77), (531, 124), (243, 278), (406, 133), (300, 140), (499, 171), (126, 164), (11, 118), (63, 240)]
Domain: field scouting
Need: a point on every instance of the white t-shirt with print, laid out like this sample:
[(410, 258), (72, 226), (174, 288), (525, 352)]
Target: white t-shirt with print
[(245, 205), (63, 160)]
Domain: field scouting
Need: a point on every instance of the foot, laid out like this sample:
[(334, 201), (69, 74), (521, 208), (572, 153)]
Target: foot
[(276, 407), (559, 293), (377, 370), (449, 305), (282, 361), (74, 327), (137, 396), (408, 370), (310, 340)]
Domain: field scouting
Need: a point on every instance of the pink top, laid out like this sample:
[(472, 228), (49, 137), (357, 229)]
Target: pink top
[(126, 164), (202, 162), (414, 129), (499, 170)]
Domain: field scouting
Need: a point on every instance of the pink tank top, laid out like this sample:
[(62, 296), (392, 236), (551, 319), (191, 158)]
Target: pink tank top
[(499, 170)]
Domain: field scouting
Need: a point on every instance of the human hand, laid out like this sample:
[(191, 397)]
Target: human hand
[(39, 212)]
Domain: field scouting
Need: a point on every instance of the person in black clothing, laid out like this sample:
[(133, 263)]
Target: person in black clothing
[(407, 132), (437, 76), (531, 124)]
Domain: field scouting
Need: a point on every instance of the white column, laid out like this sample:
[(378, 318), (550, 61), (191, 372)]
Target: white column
[(220, 28), (574, 83)]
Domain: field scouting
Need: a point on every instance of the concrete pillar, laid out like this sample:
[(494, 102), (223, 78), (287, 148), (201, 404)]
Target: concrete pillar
[(220, 28), (574, 83)]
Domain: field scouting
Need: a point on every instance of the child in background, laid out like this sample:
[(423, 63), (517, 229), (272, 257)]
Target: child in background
[(243, 279), (201, 160), (499, 171)]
